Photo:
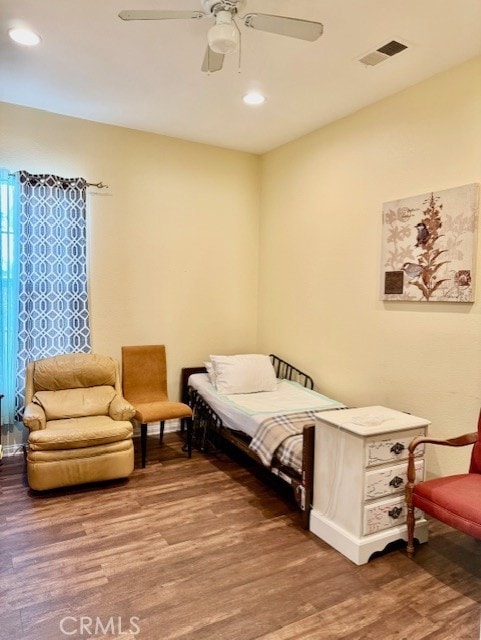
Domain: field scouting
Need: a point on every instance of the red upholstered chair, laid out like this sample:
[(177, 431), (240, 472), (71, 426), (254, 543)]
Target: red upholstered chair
[(454, 500)]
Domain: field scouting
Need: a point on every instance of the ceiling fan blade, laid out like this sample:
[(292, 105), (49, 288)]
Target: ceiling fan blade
[(161, 15), (212, 61), (303, 29)]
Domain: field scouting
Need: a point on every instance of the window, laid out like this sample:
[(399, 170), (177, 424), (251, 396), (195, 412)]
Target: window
[(44, 300)]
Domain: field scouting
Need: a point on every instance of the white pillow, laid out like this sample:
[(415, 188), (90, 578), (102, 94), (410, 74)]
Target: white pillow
[(210, 372), (246, 373)]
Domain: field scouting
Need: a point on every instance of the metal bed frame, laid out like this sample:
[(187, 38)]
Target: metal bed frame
[(208, 432)]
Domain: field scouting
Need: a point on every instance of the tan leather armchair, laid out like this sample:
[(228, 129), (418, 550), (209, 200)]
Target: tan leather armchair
[(80, 429)]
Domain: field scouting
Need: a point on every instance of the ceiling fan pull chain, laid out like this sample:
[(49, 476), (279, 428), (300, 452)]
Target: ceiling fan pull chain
[(239, 57)]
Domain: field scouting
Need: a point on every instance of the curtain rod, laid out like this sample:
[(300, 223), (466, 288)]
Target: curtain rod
[(98, 185)]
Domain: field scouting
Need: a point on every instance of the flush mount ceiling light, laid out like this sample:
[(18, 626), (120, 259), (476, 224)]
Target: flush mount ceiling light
[(254, 98), (24, 36)]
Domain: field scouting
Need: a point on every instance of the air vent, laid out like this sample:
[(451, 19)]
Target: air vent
[(383, 53), (391, 48)]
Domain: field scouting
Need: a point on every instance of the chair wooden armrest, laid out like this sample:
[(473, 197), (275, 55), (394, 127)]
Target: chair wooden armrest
[(460, 441)]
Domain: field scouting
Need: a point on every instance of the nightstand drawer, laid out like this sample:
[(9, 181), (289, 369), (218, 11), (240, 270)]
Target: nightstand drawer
[(385, 514), (380, 450), (389, 481)]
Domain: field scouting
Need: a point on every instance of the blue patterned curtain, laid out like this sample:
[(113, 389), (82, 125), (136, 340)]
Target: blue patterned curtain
[(53, 302), (9, 263)]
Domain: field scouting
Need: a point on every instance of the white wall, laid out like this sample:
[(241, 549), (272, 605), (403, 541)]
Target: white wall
[(173, 242), (319, 303)]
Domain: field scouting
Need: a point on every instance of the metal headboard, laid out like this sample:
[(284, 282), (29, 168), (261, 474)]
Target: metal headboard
[(286, 371)]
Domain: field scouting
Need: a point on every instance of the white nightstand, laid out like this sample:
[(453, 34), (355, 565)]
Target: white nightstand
[(360, 476)]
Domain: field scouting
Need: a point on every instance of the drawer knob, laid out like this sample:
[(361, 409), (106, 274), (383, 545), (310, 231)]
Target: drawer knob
[(395, 512), (396, 482), (397, 448)]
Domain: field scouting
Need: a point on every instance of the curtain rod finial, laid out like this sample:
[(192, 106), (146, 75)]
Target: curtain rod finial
[(99, 185)]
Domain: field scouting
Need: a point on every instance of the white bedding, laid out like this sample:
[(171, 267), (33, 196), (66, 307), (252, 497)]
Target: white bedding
[(245, 412)]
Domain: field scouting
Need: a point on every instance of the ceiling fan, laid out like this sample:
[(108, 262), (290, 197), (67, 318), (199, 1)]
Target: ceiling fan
[(224, 36)]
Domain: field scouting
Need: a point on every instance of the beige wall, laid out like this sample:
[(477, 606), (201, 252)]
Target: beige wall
[(320, 256), (174, 246), (173, 242)]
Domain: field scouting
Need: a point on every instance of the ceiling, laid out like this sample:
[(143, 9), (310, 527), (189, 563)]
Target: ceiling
[(146, 74)]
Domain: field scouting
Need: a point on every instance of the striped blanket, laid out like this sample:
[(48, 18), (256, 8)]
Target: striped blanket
[(281, 436)]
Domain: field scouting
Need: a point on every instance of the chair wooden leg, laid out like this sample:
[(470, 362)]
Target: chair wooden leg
[(143, 443), (161, 436), (410, 522), (411, 477)]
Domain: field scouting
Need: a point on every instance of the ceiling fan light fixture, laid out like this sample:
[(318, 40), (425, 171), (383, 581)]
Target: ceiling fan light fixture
[(24, 36), (223, 36)]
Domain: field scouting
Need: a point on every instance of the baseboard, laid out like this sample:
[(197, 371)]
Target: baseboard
[(11, 449), (154, 427)]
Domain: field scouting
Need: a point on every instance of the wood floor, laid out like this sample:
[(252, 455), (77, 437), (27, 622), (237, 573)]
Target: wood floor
[(205, 549)]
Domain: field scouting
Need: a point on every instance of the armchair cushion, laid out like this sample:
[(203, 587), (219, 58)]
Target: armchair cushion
[(74, 403), (85, 454), (454, 500), (164, 410), (77, 433), (74, 370)]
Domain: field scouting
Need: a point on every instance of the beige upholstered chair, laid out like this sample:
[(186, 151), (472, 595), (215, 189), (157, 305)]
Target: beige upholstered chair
[(144, 382), (80, 429)]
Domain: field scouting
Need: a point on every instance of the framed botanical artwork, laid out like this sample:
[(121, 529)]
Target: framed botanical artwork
[(429, 246)]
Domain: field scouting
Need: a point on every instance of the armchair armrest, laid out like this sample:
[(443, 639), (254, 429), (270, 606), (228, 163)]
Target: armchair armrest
[(121, 409), (460, 441), (34, 417)]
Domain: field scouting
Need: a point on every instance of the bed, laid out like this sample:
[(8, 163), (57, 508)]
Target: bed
[(271, 420)]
